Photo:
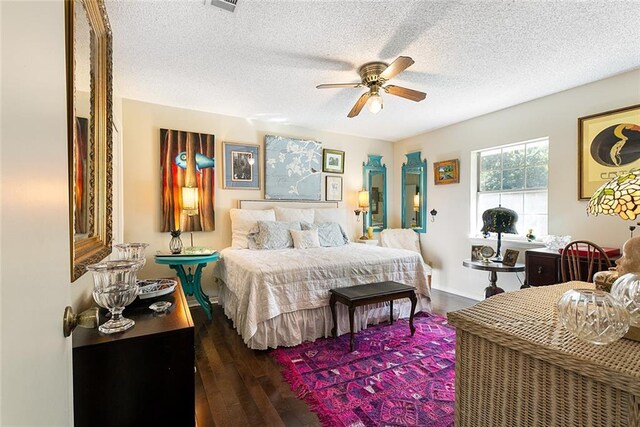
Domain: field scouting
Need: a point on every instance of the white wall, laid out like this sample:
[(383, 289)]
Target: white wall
[(446, 242), (142, 190), (34, 232)]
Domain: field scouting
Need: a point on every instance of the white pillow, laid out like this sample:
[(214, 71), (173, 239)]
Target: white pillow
[(292, 214), (243, 220), (305, 239), (338, 215)]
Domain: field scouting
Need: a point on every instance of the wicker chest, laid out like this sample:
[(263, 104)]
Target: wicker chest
[(516, 365)]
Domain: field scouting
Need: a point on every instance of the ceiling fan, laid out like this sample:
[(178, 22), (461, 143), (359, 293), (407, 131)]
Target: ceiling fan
[(374, 75)]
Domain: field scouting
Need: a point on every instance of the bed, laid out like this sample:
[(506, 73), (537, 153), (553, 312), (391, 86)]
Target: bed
[(281, 297)]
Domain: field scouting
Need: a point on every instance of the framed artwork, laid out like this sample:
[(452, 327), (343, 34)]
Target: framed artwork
[(510, 257), (187, 160), (475, 253), (446, 172), (608, 146), (241, 166), (333, 188), (332, 161), (292, 169)]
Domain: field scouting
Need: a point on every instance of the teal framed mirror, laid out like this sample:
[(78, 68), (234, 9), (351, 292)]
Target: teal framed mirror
[(374, 180), (414, 193)]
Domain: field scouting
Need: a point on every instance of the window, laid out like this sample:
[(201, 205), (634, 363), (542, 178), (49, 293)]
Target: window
[(516, 177)]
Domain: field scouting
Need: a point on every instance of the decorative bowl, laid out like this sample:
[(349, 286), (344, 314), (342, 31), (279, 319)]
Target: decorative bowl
[(593, 316), (626, 289)]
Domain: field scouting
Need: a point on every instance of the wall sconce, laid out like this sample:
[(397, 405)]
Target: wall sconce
[(433, 214), (416, 201)]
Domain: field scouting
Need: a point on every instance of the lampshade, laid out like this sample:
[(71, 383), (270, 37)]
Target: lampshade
[(499, 220), (416, 201), (620, 196), (375, 103), (363, 199), (190, 200)]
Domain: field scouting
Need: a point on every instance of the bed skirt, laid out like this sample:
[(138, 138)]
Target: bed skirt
[(290, 329)]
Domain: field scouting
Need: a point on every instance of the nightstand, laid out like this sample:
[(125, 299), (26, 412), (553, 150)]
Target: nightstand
[(373, 242), (142, 376)]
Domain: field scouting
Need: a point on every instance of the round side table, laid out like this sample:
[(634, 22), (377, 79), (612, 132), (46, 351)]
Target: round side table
[(493, 268)]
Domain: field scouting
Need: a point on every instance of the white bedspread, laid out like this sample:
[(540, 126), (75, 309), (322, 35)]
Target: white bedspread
[(268, 283)]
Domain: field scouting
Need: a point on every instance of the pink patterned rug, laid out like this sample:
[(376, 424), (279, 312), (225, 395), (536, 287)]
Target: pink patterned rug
[(391, 379)]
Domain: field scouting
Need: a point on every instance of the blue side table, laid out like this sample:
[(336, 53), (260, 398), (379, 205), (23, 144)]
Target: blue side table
[(191, 282)]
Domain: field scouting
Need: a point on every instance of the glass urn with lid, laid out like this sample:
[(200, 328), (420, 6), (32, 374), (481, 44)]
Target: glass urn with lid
[(115, 287)]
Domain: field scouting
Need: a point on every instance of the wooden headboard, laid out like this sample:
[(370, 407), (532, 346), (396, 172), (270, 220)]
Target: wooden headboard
[(296, 204)]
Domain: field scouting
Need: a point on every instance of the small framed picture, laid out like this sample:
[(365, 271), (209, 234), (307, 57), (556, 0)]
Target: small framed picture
[(332, 161), (333, 188), (241, 166), (446, 172), (510, 257), (475, 252)]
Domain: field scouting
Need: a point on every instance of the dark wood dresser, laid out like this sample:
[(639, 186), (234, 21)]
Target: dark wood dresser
[(542, 267), (143, 376)]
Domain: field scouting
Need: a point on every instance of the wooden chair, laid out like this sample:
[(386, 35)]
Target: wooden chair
[(404, 238), (580, 259)]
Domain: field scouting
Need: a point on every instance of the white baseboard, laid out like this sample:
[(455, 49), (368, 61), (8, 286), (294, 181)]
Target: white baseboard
[(474, 297)]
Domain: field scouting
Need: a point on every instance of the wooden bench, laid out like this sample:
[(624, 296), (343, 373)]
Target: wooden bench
[(355, 296)]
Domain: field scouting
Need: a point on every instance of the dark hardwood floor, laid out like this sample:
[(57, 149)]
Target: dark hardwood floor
[(237, 386)]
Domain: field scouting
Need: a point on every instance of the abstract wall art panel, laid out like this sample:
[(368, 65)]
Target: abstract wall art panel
[(187, 159), (292, 169)]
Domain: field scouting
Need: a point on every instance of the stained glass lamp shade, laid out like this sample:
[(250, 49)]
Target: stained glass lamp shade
[(499, 220), (620, 196)]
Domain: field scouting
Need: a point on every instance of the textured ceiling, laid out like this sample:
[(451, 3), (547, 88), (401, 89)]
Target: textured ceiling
[(264, 61)]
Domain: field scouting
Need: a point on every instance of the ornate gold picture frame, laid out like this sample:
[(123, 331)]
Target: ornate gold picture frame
[(446, 172)]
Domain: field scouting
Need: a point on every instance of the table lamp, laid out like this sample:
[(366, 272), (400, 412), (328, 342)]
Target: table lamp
[(190, 205), (363, 204), (619, 196), (499, 220)]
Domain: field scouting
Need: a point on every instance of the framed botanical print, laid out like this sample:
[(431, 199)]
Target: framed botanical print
[(332, 161), (608, 146), (333, 189), (446, 172), (292, 168), (241, 166)]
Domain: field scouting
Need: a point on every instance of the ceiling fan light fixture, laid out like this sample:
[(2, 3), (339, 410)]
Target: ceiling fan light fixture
[(375, 103)]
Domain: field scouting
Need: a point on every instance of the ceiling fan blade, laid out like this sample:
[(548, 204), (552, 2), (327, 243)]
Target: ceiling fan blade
[(338, 85), (359, 104), (396, 67), (403, 92)]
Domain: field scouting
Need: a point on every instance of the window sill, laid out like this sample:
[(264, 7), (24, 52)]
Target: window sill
[(512, 243)]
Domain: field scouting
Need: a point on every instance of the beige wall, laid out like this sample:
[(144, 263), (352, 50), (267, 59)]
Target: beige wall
[(447, 242), (142, 204), (35, 359)]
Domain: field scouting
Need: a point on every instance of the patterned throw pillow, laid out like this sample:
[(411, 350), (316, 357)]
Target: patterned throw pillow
[(272, 235), (329, 233), (305, 239)]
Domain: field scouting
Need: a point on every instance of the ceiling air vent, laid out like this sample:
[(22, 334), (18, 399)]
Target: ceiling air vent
[(228, 5)]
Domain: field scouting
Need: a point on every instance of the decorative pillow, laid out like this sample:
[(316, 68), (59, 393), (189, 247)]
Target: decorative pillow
[(292, 214), (272, 235), (338, 215), (243, 220), (305, 239), (329, 233)]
